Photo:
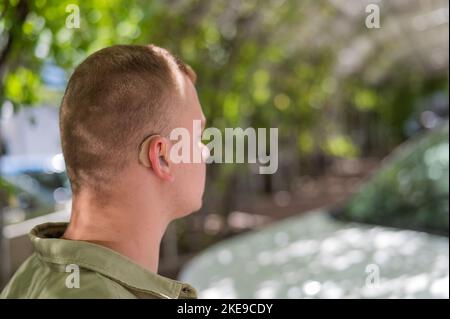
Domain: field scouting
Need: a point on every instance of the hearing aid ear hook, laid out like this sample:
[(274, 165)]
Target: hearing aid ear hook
[(144, 149)]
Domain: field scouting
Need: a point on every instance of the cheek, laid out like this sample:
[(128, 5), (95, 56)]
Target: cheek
[(199, 174), (191, 185), (200, 168), (192, 175)]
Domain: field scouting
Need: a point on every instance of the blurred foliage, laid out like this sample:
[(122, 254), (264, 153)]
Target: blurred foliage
[(259, 63), (412, 188), (5, 187)]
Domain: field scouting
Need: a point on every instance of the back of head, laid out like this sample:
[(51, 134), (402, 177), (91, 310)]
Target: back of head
[(115, 98)]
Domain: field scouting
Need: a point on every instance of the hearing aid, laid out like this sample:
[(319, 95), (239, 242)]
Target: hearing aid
[(144, 149)]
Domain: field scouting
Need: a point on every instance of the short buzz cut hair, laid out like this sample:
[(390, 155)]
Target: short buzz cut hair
[(113, 100)]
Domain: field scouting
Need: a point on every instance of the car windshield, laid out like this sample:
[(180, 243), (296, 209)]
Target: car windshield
[(411, 190), (35, 193), (49, 181)]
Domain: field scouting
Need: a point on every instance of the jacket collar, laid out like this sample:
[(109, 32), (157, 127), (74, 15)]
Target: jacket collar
[(52, 249)]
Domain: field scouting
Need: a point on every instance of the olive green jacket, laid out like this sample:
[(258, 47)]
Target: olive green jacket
[(62, 268)]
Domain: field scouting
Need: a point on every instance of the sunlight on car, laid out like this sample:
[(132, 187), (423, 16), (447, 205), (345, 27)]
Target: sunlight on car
[(351, 253)]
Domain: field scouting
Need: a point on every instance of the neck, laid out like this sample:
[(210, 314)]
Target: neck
[(131, 227)]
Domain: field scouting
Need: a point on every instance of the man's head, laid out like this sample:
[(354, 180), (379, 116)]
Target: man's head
[(115, 100)]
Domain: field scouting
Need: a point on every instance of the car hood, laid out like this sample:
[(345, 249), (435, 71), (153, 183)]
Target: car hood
[(316, 256)]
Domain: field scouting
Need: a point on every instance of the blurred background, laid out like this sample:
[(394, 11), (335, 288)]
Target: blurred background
[(359, 205)]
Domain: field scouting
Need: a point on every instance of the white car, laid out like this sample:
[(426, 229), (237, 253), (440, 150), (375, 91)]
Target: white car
[(389, 241)]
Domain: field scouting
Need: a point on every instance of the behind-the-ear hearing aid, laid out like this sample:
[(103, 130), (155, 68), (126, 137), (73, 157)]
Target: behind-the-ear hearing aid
[(144, 149)]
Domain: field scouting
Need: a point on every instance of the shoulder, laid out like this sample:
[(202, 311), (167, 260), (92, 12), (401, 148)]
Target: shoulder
[(38, 279), (92, 285)]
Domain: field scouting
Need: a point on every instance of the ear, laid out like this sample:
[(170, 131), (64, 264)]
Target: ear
[(154, 154)]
